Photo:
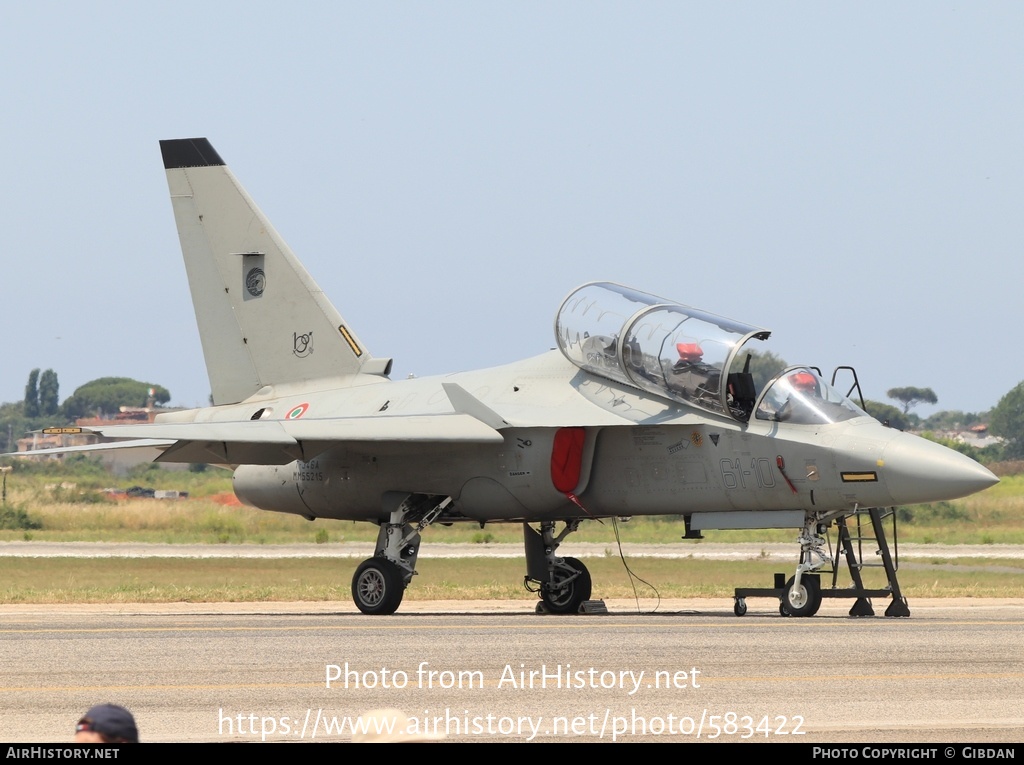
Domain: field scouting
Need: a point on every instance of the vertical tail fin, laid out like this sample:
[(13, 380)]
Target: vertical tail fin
[(262, 318)]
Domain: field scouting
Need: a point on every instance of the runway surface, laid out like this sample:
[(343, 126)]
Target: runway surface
[(702, 550), (953, 672)]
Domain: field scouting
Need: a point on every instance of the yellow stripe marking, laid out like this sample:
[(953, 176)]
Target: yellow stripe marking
[(854, 477), (350, 340)]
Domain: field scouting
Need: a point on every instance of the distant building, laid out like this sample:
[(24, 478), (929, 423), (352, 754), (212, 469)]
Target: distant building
[(976, 436)]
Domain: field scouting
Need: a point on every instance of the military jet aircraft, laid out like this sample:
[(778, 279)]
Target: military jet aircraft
[(646, 407)]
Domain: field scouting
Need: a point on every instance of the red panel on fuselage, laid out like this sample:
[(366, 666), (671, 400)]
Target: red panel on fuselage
[(567, 458)]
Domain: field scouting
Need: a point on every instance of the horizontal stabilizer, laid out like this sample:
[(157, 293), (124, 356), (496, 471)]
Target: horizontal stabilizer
[(138, 443)]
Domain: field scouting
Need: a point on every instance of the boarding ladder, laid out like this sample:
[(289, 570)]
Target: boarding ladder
[(863, 528)]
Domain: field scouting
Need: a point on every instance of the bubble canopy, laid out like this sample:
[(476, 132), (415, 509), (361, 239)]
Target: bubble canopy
[(800, 396), (664, 348)]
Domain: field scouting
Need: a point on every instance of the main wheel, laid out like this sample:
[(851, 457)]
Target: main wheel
[(378, 586), (804, 600), (567, 599)]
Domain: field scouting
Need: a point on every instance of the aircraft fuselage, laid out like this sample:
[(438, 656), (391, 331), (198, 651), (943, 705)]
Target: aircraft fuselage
[(640, 455)]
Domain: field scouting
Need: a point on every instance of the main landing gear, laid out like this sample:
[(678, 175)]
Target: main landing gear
[(563, 583), (379, 583), (378, 586)]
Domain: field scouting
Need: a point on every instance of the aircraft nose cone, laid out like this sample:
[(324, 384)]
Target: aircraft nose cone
[(918, 470)]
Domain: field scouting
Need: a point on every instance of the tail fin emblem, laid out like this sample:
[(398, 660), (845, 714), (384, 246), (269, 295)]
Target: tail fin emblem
[(302, 345), (255, 281)]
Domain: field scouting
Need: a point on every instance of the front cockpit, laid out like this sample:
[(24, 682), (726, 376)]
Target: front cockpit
[(686, 355), (799, 395)]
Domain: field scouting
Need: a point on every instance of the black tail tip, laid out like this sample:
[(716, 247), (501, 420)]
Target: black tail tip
[(189, 152)]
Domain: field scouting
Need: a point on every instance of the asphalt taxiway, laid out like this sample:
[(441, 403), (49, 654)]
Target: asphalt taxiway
[(702, 550), (953, 672)]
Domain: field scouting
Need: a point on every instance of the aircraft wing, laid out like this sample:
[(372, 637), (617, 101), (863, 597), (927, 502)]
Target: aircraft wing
[(278, 442)]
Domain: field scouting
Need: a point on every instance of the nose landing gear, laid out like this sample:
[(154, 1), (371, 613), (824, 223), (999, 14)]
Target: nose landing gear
[(802, 593)]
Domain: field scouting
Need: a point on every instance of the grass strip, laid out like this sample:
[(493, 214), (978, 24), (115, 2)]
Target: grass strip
[(161, 580)]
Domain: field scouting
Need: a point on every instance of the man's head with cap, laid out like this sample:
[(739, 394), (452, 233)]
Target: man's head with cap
[(107, 724)]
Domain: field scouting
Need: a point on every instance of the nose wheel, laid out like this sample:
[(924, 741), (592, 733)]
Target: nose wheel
[(802, 599)]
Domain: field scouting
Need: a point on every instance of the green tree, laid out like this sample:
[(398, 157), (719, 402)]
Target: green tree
[(886, 413), (1008, 422), (32, 394), (951, 419), (49, 393), (973, 452), (911, 396), (12, 423), (764, 365), (108, 394)]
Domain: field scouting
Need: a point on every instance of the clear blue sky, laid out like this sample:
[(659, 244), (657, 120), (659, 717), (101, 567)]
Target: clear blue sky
[(848, 175)]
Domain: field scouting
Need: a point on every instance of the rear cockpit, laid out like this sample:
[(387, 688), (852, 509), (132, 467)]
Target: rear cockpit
[(686, 355)]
